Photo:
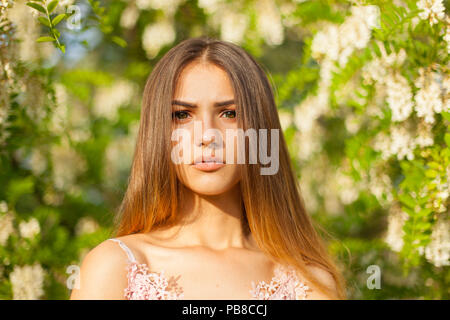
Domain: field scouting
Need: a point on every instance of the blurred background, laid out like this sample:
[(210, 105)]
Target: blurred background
[(362, 88)]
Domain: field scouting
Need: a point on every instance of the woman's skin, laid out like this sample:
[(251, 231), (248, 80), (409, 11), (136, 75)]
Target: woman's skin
[(209, 256)]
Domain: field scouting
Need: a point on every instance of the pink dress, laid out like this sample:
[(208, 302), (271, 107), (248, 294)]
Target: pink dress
[(144, 284)]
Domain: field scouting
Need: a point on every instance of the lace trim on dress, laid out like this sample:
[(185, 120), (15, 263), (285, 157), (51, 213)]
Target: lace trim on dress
[(144, 284)]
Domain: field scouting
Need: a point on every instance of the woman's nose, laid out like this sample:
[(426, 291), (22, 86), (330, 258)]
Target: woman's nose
[(208, 132)]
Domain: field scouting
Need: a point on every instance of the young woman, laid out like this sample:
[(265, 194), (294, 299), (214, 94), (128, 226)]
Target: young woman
[(202, 228)]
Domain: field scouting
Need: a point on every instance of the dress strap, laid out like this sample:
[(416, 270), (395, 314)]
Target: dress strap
[(126, 249)]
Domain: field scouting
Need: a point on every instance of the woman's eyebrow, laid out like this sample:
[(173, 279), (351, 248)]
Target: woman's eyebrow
[(190, 105)]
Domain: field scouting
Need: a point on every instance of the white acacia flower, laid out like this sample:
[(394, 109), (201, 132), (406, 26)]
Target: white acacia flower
[(129, 17), (86, 225), (157, 35), (432, 10), (27, 30), (233, 26), (168, 6), (29, 229), (380, 184), (354, 33), (143, 4), (27, 282), (326, 43), (438, 250), (38, 162), (3, 207), (309, 142), (269, 22), (339, 42), (4, 113), (428, 97), (5, 3), (447, 38), (399, 97), (348, 189), (425, 135), (210, 6), (285, 119), (310, 109), (67, 165), (108, 100), (402, 143), (119, 156), (6, 226), (352, 123), (65, 3), (382, 143), (395, 233), (374, 71)]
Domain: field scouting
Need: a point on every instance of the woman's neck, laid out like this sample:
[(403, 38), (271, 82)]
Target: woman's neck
[(214, 222)]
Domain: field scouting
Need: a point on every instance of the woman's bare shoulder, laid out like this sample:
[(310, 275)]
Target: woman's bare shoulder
[(103, 273)]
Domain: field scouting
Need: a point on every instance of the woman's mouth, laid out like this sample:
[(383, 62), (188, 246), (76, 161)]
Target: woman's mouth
[(208, 166)]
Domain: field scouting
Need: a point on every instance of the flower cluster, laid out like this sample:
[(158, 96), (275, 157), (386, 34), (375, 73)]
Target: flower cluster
[(438, 250), (6, 223), (429, 96), (432, 10), (27, 282), (339, 42)]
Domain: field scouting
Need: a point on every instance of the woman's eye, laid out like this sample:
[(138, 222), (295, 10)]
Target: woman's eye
[(180, 115), (230, 114)]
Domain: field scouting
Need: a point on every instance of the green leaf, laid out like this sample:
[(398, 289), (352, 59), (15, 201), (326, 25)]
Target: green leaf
[(409, 211), (52, 5), (58, 19), (434, 165), (121, 42), (62, 48), (446, 115), (36, 6), (19, 187), (387, 47), (447, 139), (407, 200), (424, 212), (376, 49), (423, 225), (431, 173), (390, 18), (44, 21), (45, 39)]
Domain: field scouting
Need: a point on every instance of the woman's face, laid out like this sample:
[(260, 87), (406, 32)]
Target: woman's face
[(204, 101)]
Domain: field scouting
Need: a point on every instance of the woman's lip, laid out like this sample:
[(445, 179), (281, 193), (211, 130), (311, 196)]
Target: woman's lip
[(208, 166)]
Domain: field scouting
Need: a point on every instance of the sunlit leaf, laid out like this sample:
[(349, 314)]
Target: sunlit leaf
[(45, 39), (44, 21), (52, 5), (36, 6), (58, 19)]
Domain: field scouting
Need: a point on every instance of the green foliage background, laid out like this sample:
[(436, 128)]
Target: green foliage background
[(70, 107)]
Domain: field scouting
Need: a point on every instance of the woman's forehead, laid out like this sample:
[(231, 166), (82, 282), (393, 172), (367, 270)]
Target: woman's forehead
[(200, 82)]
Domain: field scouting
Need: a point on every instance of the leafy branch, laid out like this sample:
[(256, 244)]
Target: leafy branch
[(49, 22), (104, 22)]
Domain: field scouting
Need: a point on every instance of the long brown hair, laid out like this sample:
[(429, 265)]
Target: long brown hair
[(273, 208)]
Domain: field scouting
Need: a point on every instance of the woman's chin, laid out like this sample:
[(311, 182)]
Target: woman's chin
[(210, 182), (209, 187)]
